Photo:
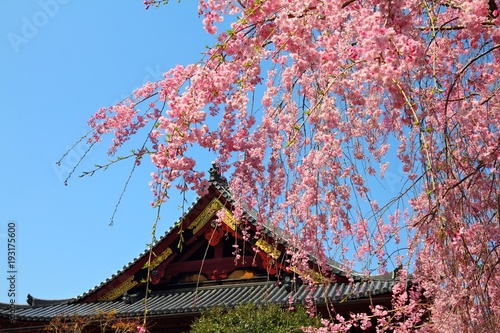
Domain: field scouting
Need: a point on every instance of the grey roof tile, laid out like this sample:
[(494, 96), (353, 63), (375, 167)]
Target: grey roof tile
[(190, 300)]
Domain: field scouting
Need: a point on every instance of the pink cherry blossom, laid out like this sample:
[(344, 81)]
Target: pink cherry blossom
[(304, 101)]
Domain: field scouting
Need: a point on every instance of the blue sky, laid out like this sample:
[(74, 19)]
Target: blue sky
[(61, 60)]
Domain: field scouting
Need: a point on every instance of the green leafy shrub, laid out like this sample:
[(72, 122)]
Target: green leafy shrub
[(251, 318)]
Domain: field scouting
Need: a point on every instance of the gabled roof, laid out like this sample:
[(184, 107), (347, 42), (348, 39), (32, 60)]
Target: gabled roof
[(196, 217)]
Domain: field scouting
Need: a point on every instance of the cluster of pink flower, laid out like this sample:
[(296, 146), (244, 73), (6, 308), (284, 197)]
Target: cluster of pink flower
[(345, 80)]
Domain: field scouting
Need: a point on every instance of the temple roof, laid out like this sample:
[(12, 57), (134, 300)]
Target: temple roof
[(218, 191), (175, 260)]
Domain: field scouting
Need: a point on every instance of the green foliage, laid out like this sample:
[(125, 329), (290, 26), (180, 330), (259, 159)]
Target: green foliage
[(251, 318)]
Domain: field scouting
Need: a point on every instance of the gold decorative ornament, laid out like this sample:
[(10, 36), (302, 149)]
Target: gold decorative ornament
[(161, 258), (118, 291), (205, 215), (268, 248)]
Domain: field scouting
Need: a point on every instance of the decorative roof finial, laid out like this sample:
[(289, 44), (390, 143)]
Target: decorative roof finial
[(216, 177)]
